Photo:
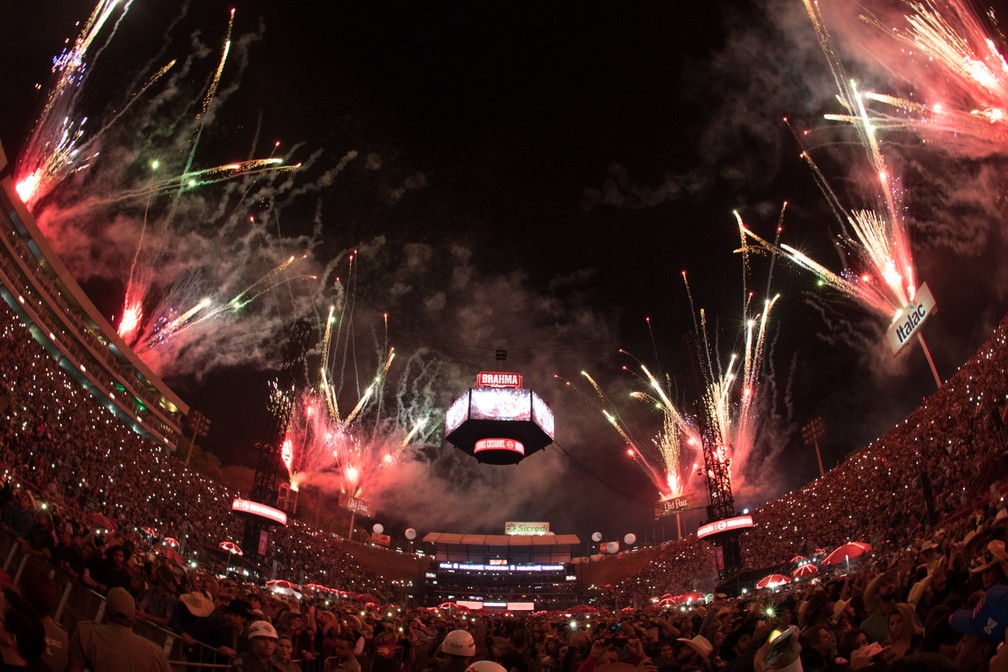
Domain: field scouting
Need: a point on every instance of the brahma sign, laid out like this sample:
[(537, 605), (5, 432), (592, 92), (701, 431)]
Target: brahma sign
[(498, 379)]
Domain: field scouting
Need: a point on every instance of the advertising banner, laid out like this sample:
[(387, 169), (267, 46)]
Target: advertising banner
[(911, 319), (538, 529), (358, 506)]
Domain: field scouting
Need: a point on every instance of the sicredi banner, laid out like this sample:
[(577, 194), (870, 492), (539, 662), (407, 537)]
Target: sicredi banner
[(538, 529), (911, 319)]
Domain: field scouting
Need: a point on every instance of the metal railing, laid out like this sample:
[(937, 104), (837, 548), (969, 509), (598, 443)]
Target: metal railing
[(78, 603)]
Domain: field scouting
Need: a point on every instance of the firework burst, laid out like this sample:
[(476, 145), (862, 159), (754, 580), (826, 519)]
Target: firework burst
[(732, 401), (57, 147), (193, 247), (948, 55), (883, 276), (662, 457), (347, 452)]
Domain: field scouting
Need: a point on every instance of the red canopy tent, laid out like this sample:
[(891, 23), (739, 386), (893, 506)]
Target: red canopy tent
[(583, 609), (772, 581), (805, 570), (230, 547), (851, 549), (283, 586), (453, 606)]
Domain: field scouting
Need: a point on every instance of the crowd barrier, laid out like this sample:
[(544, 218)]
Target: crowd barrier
[(76, 603)]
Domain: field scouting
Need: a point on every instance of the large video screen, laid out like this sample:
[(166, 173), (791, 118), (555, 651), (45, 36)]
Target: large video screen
[(542, 415), (500, 403), (457, 413)]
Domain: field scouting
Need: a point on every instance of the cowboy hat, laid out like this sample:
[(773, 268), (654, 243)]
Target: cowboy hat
[(871, 590), (700, 644), (198, 604)]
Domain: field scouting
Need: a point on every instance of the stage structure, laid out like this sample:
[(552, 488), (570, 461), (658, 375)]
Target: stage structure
[(290, 381), (498, 421), (510, 572)]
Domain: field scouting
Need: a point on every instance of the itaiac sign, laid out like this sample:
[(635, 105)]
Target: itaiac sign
[(911, 318)]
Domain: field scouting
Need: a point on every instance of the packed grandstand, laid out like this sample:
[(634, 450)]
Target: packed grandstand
[(78, 483)]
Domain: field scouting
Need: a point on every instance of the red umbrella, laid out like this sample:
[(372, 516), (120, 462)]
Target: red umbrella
[(583, 609), (807, 569), (171, 541), (172, 555), (149, 531), (690, 597), (282, 586), (364, 598), (851, 549), (230, 547), (772, 581), (101, 520), (453, 605), (796, 558), (318, 587)]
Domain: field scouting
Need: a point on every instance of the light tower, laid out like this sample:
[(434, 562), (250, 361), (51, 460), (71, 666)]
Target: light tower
[(290, 381), (723, 526)]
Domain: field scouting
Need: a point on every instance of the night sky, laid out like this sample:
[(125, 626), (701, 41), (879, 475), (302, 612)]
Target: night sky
[(514, 177)]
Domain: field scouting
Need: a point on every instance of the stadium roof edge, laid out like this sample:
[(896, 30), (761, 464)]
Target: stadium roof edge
[(84, 302)]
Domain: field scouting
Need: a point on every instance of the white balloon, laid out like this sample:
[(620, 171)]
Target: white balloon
[(596, 536), (630, 539), (410, 533), (378, 528), (610, 546)]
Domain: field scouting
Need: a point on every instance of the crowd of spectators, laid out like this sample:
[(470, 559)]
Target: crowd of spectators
[(75, 453), (933, 465), (925, 496)]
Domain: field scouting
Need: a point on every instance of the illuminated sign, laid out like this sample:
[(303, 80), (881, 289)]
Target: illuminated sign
[(356, 505), (537, 529), (499, 444), (542, 414), (251, 508), (725, 525), (674, 505), (476, 567), (457, 413), (500, 403), (498, 379), (382, 539), (910, 319)]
